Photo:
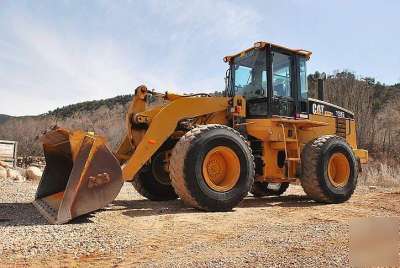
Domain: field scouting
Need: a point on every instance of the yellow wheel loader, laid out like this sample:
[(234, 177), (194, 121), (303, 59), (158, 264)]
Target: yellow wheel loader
[(209, 151)]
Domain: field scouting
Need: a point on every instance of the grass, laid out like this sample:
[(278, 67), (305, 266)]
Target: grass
[(380, 174)]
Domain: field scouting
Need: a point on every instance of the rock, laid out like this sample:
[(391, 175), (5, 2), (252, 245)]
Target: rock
[(4, 164), (14, 175), (33, 173), (21, 171), (3, 173)]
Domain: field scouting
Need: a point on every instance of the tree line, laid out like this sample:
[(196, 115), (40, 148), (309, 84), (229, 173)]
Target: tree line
[(376, 108)]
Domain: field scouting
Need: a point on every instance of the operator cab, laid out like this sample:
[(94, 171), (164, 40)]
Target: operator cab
[(272, 79)]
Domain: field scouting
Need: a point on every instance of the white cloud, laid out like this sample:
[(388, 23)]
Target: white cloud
[(174, 47), (55, 53)]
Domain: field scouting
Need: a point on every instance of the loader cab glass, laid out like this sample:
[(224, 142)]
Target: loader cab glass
[(303, 87), (273, 81), (250, 74), (281, 68), (283, 101), (303, 78)]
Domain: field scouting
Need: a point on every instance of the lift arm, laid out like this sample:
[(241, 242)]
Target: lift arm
[(162, 122)]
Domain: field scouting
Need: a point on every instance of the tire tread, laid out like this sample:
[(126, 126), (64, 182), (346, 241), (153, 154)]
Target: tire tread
[(178, 157)]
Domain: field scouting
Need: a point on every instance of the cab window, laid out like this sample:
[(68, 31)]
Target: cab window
[(250, 74), (281, 75), (303, 79)]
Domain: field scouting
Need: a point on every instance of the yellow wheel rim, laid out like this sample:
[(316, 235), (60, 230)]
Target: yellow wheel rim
[(221, 169), (338, 170)]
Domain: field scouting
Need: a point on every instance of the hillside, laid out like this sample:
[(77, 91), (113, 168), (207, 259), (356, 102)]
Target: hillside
[(70, 110), (104, 117), (375, 106), (4, 118)]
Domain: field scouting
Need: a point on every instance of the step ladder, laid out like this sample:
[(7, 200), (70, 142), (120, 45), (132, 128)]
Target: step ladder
[(290, 161)]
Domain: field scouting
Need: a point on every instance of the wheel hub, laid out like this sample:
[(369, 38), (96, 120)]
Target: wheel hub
[(221, 168), (338, 170)]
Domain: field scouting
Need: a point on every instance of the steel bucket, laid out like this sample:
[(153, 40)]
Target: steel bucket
[(81, 175)]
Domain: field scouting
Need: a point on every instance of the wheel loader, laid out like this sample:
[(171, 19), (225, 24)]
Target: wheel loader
[(263, 134)]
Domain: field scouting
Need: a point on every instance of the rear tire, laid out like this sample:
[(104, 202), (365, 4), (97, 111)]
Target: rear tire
[(212, 168), (261, 189), (153, 182), (329, 169)]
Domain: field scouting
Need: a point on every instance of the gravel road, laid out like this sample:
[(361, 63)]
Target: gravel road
[(288, 231)]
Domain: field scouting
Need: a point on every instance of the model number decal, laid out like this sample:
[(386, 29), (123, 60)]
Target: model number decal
[(340, 114)]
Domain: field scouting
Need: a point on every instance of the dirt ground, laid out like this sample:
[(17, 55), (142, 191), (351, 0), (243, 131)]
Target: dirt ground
[(290, 231)]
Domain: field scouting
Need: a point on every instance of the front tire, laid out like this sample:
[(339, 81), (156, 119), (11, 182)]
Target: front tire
[(212, 168), (329, 169), (153, 181)]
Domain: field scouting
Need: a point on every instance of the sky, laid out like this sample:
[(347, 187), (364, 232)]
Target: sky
[(55, 53)]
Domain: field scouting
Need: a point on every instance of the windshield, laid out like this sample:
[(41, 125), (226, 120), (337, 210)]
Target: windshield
[(250, 74)]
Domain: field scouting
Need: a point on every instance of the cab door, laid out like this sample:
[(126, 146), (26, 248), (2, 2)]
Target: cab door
[(302, 87), (283, 102)]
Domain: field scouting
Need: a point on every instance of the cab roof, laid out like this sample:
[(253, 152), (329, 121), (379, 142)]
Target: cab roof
[(262, 44)]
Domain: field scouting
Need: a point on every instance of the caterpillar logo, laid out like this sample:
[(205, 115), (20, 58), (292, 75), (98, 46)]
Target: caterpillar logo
[(318, 109)]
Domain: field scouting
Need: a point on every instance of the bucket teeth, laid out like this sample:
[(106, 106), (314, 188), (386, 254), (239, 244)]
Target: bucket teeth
[(81, 176), (47, 210)]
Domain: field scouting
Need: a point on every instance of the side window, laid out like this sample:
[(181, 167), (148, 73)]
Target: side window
[(281, 75), (264, 80), (303, 79), (242, 76), (250, 76)]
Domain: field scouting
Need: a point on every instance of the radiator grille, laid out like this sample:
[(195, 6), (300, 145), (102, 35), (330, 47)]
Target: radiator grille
[(341, 127)]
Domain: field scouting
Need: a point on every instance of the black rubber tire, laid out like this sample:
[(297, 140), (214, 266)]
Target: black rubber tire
[(261, 189), (314, 179), (186, 167), (147, 185)]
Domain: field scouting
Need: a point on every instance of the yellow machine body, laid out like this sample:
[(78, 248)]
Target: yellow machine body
[(290, 136), (83, 175), (140, 144)]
